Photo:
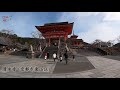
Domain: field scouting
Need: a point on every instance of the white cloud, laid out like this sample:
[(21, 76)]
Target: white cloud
[(89, 26), (79, 18), (111, 16), (102, 31), (76, 15)]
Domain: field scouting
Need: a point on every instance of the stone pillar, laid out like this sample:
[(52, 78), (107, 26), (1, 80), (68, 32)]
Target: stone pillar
[(40, 48), (32, 52), (32, 55)]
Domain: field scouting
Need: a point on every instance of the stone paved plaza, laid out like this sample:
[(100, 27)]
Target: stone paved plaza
[(82, 67)]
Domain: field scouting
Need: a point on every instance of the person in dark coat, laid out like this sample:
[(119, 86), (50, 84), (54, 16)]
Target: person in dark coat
[(48, 55), (66, 57), (73, 57)]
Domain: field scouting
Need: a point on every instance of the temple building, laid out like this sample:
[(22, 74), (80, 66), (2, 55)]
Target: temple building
[(74, 42), (56, 34)]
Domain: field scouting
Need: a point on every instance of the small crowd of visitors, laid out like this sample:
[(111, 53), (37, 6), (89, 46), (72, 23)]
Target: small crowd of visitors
[(65, 55)]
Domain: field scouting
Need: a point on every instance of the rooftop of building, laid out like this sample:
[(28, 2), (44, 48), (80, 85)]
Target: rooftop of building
[(57, 23)]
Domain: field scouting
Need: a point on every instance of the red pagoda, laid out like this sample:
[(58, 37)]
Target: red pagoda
[(74, 36), (74, 40)]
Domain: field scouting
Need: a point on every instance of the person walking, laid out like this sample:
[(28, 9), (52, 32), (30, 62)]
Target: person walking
[(54, 56), (66, 57), (73, 57), (46, 56), (60, 57)]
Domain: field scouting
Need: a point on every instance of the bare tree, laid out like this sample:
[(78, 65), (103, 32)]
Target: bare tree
[(97, 43), (100, 43), (10, 32), (7, 32), (110, 43), (118, 39), (37, 34)]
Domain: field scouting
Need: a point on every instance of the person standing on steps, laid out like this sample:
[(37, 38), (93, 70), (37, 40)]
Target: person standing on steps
[(54, 56)]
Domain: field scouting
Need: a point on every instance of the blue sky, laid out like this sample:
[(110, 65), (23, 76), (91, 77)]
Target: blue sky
[(87, 25)]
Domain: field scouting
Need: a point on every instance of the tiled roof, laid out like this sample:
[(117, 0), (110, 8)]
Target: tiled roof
[(5, 41)]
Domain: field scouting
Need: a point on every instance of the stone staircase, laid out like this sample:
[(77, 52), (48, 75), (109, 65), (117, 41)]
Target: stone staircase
[(51, 50), (62, 49)]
